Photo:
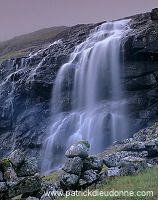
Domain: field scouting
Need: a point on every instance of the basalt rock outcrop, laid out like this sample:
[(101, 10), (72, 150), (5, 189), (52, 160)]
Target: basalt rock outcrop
[(131, 155), (140, 67), (26, 84)]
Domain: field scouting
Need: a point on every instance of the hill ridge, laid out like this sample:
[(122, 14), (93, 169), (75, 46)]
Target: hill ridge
[(22, 45)]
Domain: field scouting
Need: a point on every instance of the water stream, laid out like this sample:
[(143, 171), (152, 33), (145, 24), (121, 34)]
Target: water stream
[(88, 101)]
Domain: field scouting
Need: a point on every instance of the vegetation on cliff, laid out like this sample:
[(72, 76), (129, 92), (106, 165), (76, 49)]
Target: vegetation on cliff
[(24, 44)]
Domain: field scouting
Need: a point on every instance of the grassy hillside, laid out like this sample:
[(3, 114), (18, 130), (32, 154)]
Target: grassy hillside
[(143, 184), (24, 44)]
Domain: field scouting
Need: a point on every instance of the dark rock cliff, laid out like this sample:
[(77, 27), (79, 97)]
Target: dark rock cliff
[(141, 70), (26, 83), (25, 91)]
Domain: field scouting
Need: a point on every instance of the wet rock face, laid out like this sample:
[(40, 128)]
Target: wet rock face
[(154, 14), (25, 91), (140, 70)]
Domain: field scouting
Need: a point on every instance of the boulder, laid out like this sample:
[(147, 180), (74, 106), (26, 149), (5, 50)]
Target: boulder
[(10, 174), (152, 148), (113, 171), (14, 185), (16, 157), (80, 149), (24, 185), (3, 187), (45, 186), (73, 166), (3, 190), (5, 163), (45, 192), (151, 145), (153, 161), (114, 159), (67, 181), (46, 197), (88, 177), (132, 165), (136, 146), (48, 186), (147, 134), (93, 162), (28, 168)]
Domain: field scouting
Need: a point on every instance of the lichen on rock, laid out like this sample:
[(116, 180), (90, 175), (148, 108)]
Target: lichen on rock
[(80, 149)]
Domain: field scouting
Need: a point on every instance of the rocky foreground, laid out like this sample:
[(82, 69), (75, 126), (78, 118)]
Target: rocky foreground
[(18, 174)]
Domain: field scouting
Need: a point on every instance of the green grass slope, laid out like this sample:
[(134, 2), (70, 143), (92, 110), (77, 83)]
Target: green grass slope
[(24, 44)]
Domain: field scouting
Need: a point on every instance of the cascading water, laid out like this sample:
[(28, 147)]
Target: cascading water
[(87, 100)]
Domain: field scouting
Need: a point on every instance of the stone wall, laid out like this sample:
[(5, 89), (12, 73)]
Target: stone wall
[(18, 175)]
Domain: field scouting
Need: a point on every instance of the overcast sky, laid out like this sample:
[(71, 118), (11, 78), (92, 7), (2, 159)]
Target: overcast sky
[(23, 16)]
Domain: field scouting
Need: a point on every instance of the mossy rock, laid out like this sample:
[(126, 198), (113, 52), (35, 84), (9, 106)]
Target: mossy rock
[(16, 157), (80, 148), (5, 163), (84, 142)]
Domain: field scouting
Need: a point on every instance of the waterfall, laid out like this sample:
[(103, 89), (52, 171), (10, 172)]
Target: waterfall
[(88, 102)]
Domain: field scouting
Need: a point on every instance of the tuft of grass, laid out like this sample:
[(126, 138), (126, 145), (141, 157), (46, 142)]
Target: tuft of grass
[(17, 197), (51, 177), (151, 25)]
